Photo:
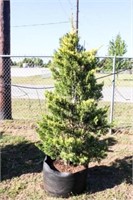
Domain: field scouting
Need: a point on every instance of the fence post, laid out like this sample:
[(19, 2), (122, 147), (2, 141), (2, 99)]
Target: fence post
[(113, 92), (5, 74)]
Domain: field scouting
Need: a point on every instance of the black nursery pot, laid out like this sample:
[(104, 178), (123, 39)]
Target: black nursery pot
[(62, 184)]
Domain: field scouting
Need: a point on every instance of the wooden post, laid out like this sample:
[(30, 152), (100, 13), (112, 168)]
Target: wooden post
[(5, 74), (77, 17)]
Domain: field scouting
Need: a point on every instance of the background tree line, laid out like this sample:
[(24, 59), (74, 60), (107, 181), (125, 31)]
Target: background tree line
[(31, 62)]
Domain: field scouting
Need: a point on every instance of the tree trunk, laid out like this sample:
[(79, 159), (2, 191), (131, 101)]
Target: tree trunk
[(5, 74)]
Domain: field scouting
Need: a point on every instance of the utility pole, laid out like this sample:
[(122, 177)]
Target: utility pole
[(77, 17), (5, 74)]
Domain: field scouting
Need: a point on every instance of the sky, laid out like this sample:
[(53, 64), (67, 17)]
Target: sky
[(37, 25)]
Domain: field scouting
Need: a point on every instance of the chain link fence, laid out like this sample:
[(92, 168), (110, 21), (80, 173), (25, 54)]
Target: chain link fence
[(31, 77), (117, 75)]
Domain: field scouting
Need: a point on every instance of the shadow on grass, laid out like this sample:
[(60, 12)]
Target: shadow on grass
[(20, 159), (25, 157), (104, 177), (110, 141)]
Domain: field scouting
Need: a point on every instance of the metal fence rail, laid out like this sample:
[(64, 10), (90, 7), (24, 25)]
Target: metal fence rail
[(31, 77)]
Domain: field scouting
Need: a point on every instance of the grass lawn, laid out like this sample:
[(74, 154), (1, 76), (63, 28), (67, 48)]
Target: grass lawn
[(121, 80), (28, 109), (32, 80), (123, 114), (22, 166)]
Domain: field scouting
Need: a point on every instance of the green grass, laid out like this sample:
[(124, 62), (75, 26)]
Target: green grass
[(22, 163), (9, 140), (28, 109), (121, 80), (32, 80), (34, 109), (123, 113)]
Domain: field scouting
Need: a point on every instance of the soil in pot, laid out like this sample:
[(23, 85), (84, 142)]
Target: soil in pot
[(60, 166)]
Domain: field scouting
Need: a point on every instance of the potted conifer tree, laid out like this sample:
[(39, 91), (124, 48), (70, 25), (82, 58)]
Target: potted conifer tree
[(72, 131)]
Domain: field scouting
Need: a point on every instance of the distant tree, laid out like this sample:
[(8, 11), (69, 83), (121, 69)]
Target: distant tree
[(38, 62), (47, 65), (20, 64), (31, 62), (13, 63), (117, 47)]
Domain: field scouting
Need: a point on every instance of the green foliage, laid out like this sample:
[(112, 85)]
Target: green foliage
[(117, 47), (47, 65), (73, 128), (31, 62)]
